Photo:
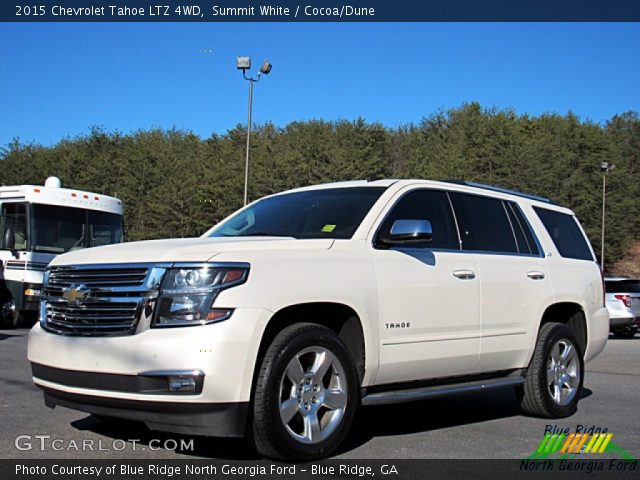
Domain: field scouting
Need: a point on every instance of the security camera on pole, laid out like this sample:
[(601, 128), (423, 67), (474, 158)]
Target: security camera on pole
[(244, 64)]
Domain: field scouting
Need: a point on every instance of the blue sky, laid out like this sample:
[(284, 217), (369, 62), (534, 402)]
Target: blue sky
[(58, 80)]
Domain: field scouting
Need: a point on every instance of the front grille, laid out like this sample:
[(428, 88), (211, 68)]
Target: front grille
[(94, 301), (106, 318), (94, 277)]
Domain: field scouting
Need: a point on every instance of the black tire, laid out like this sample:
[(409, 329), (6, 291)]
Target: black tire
[(535, 395), (19, 320), (9, 316), (298, 345), (625, 332)]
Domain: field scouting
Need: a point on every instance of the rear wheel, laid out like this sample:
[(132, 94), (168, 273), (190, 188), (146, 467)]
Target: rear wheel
[(555, 375), (625, 332), (305, 395)]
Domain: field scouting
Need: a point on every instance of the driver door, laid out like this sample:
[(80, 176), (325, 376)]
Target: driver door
[(428, 294)]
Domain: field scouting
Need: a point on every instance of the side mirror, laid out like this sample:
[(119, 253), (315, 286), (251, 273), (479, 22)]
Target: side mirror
[(9, 239), (408, 231)]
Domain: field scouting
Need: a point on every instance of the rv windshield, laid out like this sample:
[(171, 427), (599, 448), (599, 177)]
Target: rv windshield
[(61, 229), (104, 228)]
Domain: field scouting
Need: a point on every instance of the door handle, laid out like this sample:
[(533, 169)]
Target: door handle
[(464, 274), (535, 275)]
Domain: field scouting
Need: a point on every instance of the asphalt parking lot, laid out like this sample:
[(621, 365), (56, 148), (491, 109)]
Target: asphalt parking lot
[(483, 425)]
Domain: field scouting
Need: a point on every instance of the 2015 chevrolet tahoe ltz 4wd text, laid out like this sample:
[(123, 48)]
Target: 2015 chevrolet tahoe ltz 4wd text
[(292, 312)]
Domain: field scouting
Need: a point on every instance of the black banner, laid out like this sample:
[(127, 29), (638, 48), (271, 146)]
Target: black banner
[(320, 11), (325, 470)]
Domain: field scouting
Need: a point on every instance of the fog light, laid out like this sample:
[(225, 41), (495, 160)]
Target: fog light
[(182, 383)]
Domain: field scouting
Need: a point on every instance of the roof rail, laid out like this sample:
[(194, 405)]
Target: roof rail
[(493, 188)]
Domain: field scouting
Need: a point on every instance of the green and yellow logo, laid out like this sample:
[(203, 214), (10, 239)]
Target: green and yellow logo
[(563, 445)]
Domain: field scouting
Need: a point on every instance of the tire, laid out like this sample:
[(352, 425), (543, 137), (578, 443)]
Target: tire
[(9, 316), (625, 332), (299, 412), (555, 375)]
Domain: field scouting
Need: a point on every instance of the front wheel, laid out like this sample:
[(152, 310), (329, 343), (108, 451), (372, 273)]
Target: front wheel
[(554, 378), (10, 317), (305, 396)]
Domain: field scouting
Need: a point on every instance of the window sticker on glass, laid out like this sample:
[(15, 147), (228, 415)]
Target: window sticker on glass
[(328, 228)]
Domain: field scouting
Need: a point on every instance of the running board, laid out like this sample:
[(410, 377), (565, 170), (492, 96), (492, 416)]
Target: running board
[(414, 394)]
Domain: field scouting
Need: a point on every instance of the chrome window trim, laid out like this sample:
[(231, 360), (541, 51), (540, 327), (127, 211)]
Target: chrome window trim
[(455, 219), (513, 232), (541, 252), (467, 252)]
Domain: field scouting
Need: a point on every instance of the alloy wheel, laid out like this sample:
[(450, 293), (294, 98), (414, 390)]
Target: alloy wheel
[(563, 372), (313, 395)]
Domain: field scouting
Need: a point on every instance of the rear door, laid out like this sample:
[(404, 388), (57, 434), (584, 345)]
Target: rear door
[(513, 273)]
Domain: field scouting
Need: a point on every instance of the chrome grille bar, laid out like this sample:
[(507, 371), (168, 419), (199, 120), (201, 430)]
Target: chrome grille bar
[(97, 300), (64, 277)]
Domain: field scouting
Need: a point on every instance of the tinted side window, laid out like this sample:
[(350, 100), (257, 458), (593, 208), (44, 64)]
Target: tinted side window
[(622, 286), (484, 225), (565, 233), (524, 236), (432, 205)]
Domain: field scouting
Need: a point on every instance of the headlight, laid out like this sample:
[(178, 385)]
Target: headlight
[(187, 295)]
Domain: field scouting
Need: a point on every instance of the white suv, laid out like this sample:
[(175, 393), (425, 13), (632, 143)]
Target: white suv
[(289, 314), (623, 303)]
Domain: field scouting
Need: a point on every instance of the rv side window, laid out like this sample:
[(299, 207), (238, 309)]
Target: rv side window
[(105, 228), (14, 217)]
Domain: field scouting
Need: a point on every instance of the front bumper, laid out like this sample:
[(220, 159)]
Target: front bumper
[(108, 375), (212, 419)]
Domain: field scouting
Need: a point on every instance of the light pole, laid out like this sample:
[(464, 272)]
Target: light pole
[(605, 167), (244, 64)]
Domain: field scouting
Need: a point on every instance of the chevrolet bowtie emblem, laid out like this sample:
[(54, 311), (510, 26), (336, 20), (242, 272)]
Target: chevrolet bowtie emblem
[(75, 294)]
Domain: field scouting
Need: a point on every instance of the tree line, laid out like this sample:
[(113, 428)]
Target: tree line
[(175, 184)]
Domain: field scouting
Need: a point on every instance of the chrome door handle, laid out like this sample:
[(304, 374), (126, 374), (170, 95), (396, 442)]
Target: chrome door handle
[(464, 274), (535, 275)]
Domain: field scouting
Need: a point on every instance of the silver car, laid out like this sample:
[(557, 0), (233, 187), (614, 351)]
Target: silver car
[(623, 303)]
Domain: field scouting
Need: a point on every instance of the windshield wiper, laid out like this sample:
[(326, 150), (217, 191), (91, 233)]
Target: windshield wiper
[(79, 241)]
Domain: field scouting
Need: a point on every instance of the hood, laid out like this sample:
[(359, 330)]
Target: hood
[(184, 249)]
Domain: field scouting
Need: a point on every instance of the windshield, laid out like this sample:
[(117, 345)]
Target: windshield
[(326, 213), (61, 229)]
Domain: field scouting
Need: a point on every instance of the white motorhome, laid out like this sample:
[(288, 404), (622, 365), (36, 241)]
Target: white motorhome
[(38, 223)]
